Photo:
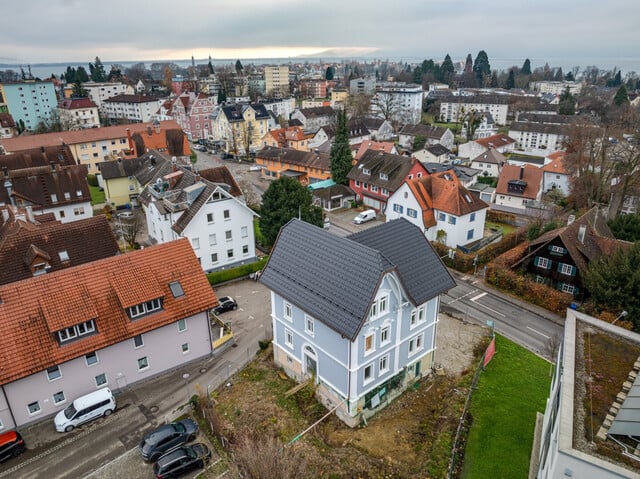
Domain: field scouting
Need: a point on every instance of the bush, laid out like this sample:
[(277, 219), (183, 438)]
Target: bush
[(92, 180), (221, 276), (501, 217)]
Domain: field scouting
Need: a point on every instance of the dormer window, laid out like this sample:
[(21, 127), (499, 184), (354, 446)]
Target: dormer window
[(67, 195), (64, 256), (384, 176), (145, 308), (76, 331), (366, 171)]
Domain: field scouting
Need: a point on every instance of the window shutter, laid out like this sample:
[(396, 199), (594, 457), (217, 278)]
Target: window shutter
[(560, 267), (536, 261), (573, 270)]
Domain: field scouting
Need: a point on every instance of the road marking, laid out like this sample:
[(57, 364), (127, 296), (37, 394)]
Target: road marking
[(462, 297), (538, 332), (491, 309), (479, 296)]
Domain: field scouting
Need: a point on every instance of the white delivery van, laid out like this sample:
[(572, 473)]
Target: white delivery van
[(85, 408), (366, 215)]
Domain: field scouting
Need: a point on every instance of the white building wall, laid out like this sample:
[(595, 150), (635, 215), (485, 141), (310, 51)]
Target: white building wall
[(558, 180), (69, 213), (162, 347)]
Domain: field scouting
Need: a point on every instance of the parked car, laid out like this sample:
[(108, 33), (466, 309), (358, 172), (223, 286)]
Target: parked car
[(227, 303), (11, 445), (366, 215), (166, 437), (84, 409), (200, 147), (181, 460)]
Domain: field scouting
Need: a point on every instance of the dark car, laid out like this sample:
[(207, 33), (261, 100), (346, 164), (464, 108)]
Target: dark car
[(11, 445), (181, 460), (227, 303), (155, 443)]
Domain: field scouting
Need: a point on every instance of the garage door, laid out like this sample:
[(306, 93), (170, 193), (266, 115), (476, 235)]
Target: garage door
[(372, 202)]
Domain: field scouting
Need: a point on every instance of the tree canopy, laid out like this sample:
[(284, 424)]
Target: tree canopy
[(286, 199), (341, 152), (626, 227), (526, 67), (567, 103), (614, 282), (482, 68), (328, 75), (238, 67), (621, 97), (447, 70), (96, 71)]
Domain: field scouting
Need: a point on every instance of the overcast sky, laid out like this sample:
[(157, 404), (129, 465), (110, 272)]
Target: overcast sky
[(37, 31)]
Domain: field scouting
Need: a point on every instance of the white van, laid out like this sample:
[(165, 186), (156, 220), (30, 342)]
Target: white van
[(366, 215), (85, 408)]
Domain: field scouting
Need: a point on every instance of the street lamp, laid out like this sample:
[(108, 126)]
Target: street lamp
[(185, 376), (620, 316)]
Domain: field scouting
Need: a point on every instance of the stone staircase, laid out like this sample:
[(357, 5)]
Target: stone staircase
[(617, 404)]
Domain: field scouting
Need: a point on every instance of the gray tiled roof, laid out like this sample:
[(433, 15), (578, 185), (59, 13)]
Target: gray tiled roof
[(334, 279)]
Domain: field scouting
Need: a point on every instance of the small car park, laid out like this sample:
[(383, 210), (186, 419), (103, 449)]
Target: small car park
[(181, 460), (166, 437), (11, 445), (363, 217), (226, 303), (84, 409)]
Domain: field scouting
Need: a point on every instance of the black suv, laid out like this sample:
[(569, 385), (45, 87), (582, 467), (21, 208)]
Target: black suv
[(11, 445), (181, 460), (227, 303), (166, 437)]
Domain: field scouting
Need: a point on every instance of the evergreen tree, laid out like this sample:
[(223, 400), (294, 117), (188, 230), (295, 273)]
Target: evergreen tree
[(493, 83), (328, 75), (447, 70), (222, 96), (567, 103), (559, 76), (81, 75), (284, 200), (626, 227), (569, 77), (622, 97), (417, 75), (468, 64), (341, 159), (481, 68), (210, 65), (511, 80), (79, 91), (238, 67), (115, 74), (526, 67), (97, 72), (70, 75)]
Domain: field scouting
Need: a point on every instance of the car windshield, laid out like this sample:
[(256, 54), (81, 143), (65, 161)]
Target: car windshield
[(189, 452), (178, 426), (70, 411)]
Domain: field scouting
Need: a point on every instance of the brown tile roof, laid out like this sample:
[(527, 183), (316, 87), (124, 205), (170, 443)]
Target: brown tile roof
[(395, 167), (317, 111), (124, 98), (34, 157), (443, 191), (74, 103), (495, 141), (557, 163), (222, 175), (385, 146), (6, 121), (23, 244), (290, 156), (37, 185), (31, 311), (532, 175), (426, 131), (491, 156), (25, 142)]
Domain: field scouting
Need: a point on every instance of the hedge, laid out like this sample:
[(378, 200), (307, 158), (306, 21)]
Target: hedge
[(221, 276)]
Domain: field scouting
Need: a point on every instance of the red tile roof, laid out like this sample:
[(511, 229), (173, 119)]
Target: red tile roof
[(496, 141), (385, 146), (74, 103), (532, 175), (33, 310), (557, 163)]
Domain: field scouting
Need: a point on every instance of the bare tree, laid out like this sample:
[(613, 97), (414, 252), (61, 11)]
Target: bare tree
[(251, 197)]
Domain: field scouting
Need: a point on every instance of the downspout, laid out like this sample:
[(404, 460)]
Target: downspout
[(349, 379), (15, 424), (208, 317)]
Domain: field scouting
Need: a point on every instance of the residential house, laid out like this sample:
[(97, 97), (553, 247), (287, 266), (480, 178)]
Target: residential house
[(124, 179), (33, 245), (7, 126), (432, 153), (313, 88), (193, 114), (380, 129), (211, 214), (538, 138), (556, 87), (330, 196), (454, 108), (239, 128), (78, 113), (521, 160), (51, 156), (354, 314), (432, 134), (499, 142), (292, 137), (441, 207), (100, 91), (483, 191), (490, 162), (280, 107), (377, 175), (486, 127), (94, 145), (385, 146), (466, 176), (307, 167), (276, 79), (339, 97), (567, 446), (30, 102), (356, 131), (61, 190), (518, 187), (129, 108), (560, 258), (398, 102), (362, 86), (313, 119), (111, 322)]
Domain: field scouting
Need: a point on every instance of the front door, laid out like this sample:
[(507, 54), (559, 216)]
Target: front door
[(310, 361)]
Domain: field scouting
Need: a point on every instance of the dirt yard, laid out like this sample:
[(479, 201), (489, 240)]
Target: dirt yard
[(411, 438)]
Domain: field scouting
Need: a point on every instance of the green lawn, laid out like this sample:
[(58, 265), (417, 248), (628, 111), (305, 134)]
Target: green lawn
[(506, 229), (514, 386), (97, 195)]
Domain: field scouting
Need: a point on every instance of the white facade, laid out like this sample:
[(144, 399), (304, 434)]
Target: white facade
[(75, 118), (553, 180), (403, 101), (453, 109), (133, 111), (164, 349), (537, 143), (281, 107), (68, 213), (98, 92), (221, 231), (459, 230), (556, 87)]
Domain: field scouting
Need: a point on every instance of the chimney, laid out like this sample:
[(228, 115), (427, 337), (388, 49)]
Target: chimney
[(156, 124), (9, 187), (30, 217), (571, 219), (132, 145), (197, 178), (174, 164), (149, 130), (521, 172), (5, 215), (52, 164), (581, 233)]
